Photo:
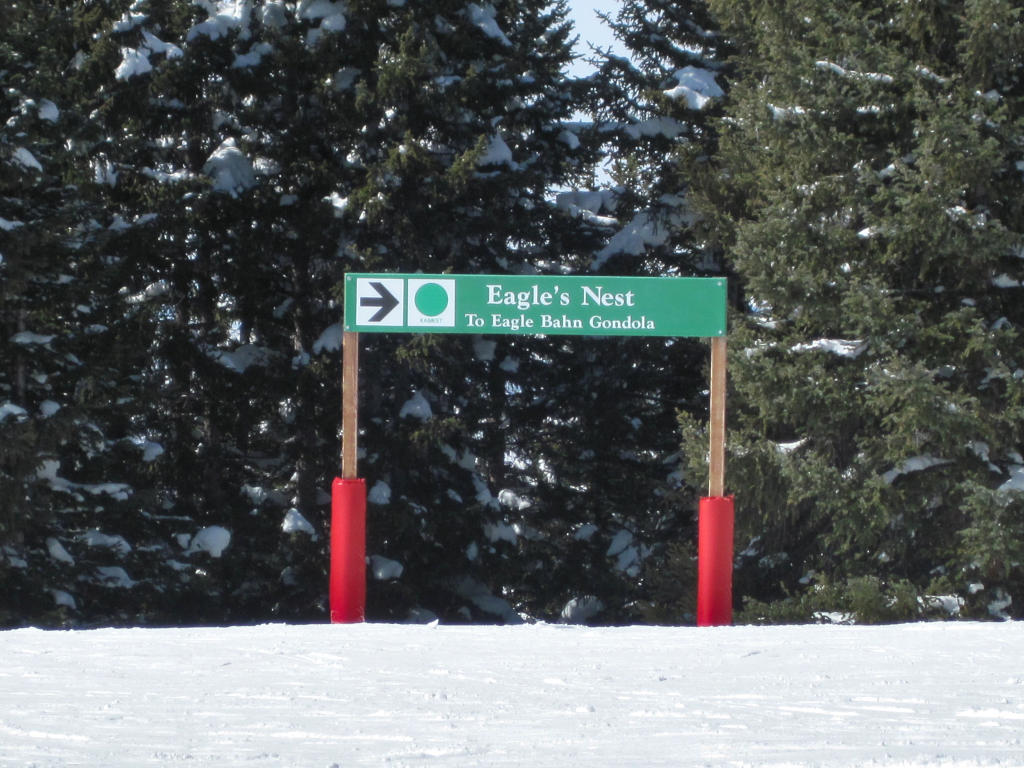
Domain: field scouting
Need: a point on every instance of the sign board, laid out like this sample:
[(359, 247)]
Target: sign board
[(535, 304), (527, 304)]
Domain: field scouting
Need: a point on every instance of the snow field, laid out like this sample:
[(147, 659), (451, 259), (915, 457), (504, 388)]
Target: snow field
[(535, 695)]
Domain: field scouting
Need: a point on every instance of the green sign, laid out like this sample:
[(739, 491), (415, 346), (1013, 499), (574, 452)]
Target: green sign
[(541, 304)]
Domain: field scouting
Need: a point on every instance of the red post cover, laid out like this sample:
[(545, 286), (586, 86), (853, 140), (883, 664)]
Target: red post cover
[(714, 561), (348, 551)]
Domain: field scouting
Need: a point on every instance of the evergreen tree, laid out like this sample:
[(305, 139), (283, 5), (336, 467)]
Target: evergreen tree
[(257, 151), (870, 199), (51, 437), (230, 161), (226, 125), (654, 112), (468, 136), (657, 108)]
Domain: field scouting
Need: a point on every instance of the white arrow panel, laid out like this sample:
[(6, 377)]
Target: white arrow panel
[(373, 295)]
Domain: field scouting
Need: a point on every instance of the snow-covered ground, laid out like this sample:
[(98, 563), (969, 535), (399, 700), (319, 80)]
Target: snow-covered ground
[(541, 695)]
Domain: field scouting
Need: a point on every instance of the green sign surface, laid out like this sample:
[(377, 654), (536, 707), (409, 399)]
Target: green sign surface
[(535, 304)]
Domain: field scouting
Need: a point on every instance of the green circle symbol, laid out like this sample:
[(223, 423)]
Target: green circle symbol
[(431, 299)]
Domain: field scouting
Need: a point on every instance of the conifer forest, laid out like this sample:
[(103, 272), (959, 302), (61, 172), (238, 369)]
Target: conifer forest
[(184, 185)]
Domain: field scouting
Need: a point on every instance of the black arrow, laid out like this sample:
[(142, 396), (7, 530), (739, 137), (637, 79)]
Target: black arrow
[(384, 299)]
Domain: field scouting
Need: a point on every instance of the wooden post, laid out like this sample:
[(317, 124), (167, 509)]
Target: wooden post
[(716, 519), (347, 587), (349, 405), (716, 480)]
